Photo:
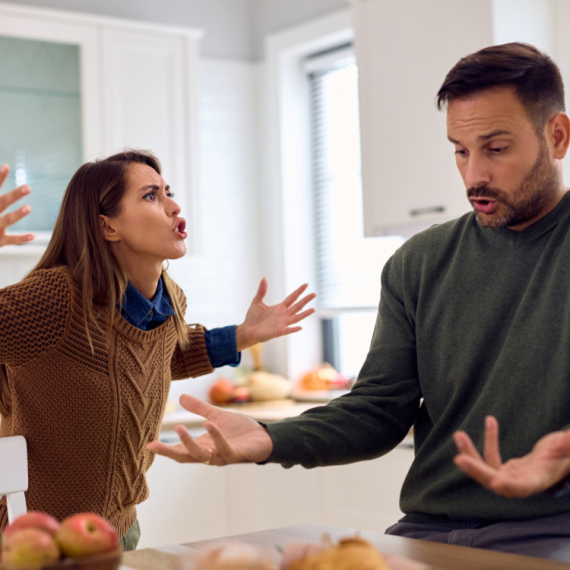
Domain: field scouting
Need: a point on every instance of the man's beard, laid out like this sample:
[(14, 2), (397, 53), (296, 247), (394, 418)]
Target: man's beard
[(528, 201)]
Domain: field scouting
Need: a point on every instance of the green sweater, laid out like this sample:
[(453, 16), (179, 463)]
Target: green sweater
[(472, 321)]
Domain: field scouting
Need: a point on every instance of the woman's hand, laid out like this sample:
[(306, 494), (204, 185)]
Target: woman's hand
[(547, 463), (7, 220), (264, 322), (231, 438)]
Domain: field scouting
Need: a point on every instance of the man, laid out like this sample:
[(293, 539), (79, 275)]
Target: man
[(473, 328)]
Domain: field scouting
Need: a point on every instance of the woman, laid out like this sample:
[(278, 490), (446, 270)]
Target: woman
[(92, 337)]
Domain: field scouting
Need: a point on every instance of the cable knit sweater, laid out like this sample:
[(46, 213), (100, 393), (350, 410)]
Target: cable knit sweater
[(86, 417)]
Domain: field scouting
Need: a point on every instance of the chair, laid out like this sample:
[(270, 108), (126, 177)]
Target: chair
[(14, 474)]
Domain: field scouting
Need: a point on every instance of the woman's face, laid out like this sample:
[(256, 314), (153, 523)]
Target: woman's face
[(148, 228)]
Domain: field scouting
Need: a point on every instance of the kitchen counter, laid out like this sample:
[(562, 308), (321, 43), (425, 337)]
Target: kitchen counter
[(261, 411)]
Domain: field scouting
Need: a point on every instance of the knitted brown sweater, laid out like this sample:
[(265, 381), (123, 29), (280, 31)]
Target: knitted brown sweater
[(86, 417)]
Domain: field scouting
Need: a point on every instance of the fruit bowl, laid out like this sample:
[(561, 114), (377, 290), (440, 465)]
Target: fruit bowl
[(105, 561)]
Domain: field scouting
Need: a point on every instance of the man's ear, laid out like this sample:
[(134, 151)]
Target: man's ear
[(105, 225), (558, 129)]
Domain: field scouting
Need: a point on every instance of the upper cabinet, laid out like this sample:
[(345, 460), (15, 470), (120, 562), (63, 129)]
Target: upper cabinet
[(404, 51), (131, 85)]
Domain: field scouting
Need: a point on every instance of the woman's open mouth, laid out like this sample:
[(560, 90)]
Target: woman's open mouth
[(180, 227)]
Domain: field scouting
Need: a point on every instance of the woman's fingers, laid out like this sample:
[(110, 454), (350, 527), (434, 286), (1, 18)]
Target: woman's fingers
[(4, 171), (295, 295), (304, 301), (300, 317), (13, 196), (13, 217)]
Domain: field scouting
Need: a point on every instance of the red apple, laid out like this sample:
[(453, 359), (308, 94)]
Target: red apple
[(33, 519), (29, 547), (86, 533), (222, 391)]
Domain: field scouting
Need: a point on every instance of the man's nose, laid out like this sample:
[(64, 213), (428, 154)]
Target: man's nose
[(476, 172)]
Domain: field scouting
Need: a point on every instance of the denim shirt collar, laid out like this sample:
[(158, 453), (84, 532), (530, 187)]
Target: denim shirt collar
[(140, 309)]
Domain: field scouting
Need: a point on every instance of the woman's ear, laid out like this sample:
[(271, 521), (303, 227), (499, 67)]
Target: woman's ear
[(107, 229)]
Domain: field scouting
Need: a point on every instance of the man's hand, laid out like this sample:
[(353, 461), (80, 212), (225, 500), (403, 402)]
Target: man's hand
[(8, 220), (232, 438), (264, 322), (547, 463)]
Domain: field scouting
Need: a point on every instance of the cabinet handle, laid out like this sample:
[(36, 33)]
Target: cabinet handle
[(422, 211)]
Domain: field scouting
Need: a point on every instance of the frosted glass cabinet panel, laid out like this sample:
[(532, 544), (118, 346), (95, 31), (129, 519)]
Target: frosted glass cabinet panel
[(40, 118)]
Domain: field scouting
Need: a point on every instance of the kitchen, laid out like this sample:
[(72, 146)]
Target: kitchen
[(249, 212)]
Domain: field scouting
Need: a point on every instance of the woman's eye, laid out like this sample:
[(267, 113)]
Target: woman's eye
[(171, 194), (150, 196)]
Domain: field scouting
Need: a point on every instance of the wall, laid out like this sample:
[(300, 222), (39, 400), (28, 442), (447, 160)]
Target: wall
[(219, 282), (234, 29)]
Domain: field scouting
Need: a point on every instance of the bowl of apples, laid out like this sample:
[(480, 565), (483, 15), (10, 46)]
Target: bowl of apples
[(36, 541)]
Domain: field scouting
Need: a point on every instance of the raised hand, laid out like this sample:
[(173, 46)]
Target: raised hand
[(547, 463), (8, 220), (232, 438), (264, 322)]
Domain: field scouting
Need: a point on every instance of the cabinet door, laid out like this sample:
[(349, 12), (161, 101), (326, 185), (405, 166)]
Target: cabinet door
[(404, 51), (150, 102), (365, 495)]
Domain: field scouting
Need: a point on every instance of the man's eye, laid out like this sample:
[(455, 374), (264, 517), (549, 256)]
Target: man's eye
[(497, 149), (460, 152)]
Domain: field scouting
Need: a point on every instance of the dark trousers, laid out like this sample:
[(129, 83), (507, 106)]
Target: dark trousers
[(544, 537)]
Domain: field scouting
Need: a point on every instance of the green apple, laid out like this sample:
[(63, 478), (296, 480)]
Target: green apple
[(29, 548)]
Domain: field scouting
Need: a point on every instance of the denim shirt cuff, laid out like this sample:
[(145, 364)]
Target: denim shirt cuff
[(222, 347)]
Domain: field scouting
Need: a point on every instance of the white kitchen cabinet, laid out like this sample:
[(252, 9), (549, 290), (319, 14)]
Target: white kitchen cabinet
[(139, 89), (404, 51), (194, 502)]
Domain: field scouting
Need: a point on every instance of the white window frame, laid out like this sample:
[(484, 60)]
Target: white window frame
[(287, 198)]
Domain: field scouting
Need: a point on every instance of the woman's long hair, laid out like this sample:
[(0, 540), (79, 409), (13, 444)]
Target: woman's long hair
[(78, 242)]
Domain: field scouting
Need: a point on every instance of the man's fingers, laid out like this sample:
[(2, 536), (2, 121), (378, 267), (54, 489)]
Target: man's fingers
[(476, 469), (196, 452), (13, 196), (491, 450), (176, 452), (465, 445), (223, 448), (198, 406), (295, 295)]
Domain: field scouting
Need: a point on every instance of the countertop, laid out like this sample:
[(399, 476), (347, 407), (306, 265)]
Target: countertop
[(272, 411)]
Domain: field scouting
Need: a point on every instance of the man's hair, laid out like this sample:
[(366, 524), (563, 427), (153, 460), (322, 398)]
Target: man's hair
[(534, 76)]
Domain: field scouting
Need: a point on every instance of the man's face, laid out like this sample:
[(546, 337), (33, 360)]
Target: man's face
[(509, 173)]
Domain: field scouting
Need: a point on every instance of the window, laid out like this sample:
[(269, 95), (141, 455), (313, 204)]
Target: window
[(348, 265)]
